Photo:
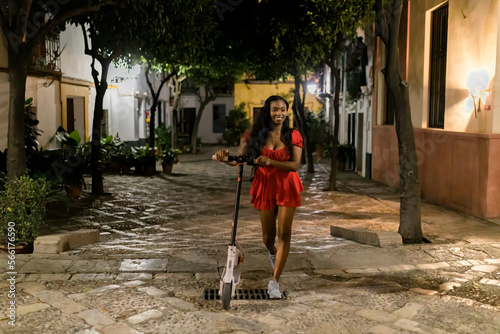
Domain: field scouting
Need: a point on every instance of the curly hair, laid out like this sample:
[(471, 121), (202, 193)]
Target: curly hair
[(262, 127)]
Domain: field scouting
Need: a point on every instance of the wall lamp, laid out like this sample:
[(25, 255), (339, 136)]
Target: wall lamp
[(477, 83)]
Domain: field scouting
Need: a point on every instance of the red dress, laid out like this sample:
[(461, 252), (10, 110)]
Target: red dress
[(272, 186)]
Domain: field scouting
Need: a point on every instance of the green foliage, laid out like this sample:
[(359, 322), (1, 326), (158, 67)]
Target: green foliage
[(110, 148), (31, 133), (143, 154), (163, 136), (236, 123), (168, 156), (355, 79), (346, 152), (75, 158), (22, 202), (318, 127)]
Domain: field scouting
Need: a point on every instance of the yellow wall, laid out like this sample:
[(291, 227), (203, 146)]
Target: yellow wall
[(472, 46), (256, 92), (71, 89)]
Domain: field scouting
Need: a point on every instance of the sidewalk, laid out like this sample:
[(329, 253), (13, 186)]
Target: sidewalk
[(163, 237)]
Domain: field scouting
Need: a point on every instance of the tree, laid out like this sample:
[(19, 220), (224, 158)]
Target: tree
[(387, 28), (216, 78), (180, 40), (24, 23), (109, 35)]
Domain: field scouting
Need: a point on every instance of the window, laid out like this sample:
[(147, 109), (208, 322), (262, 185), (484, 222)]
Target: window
[(219, 118), (47, 53), (439, 42)]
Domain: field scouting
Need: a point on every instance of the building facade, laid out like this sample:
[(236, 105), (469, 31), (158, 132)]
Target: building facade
[(449, 52)]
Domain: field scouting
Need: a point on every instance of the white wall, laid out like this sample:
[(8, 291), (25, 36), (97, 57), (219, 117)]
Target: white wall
[(205, 129), (127, 100), (74, 62), (47, 101)]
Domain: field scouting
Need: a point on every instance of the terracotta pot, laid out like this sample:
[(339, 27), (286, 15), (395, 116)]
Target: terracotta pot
[(138, 168), (167, 168), (150, 169), (115, 167), (74, 189), (20, 249), (341, 166), (125, 169)]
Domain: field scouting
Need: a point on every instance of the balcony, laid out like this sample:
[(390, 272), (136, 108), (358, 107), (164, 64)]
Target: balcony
[(47, 55)]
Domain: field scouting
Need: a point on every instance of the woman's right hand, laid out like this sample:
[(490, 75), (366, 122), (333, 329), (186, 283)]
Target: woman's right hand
[(221, 154)]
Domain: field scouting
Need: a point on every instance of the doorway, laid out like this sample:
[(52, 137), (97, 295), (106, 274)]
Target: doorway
[(75, 115)]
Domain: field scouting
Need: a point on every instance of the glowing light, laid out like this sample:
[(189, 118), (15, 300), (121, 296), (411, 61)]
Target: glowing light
[(311, 88)]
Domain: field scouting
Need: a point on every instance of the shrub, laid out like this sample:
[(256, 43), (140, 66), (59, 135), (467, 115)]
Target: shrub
[(23, 203)]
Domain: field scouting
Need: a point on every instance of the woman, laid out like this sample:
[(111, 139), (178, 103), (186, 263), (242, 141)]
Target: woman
[(276, 186)]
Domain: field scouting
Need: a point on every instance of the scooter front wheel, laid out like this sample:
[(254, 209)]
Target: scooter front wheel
[(227, 290)]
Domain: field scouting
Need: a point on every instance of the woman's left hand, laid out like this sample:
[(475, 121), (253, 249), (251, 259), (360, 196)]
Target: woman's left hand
[(262, 161)]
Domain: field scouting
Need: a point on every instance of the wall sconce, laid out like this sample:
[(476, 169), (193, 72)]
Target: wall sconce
[(478, 82)]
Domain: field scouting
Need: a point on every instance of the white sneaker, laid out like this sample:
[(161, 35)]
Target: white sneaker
[(273, 289), (273, 260)]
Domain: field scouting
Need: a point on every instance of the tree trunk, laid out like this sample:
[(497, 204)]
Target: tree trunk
[(152, 122), (335, 137), (95, 159), (297, 123), (176, 85), (18, 72), (203, 103), (305, 130), (410, 220)]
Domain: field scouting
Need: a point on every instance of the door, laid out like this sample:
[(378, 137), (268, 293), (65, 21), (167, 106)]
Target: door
[(70, 115)]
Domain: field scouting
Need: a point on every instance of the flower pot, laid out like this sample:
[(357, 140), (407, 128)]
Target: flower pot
[(115, 167), (150, 169), (341, 166), (167, 168), (138, 168), (19, 249), (125, 168), (74, 189)]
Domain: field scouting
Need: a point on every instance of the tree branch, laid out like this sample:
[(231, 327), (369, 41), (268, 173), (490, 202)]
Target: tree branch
[(66, 15), (150, 85), (382, 22)]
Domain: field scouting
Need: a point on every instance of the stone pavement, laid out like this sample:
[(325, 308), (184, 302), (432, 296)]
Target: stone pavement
[(162, 239)]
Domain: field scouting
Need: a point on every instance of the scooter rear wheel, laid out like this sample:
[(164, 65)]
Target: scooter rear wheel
[(227, 290)]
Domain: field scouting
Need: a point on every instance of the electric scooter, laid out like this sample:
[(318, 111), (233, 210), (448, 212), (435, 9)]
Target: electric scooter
[(232, 272)]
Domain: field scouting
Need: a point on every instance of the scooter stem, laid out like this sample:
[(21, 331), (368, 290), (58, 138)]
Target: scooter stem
[(236, 205)]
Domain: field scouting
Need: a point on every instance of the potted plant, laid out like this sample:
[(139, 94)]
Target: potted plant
[(22, 209), (144, 160), (168, 158), (110, 157), (346, 153), (126, 160), (75, 161)]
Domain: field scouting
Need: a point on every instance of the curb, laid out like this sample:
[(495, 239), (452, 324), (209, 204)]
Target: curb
[(58, 243), (366, 236)]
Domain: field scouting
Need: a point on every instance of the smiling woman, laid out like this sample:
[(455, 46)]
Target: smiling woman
[(276, 149)]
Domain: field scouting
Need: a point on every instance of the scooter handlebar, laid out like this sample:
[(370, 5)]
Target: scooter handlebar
[(235, 158)]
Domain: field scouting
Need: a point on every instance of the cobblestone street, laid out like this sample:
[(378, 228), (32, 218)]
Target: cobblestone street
[(163, 237)]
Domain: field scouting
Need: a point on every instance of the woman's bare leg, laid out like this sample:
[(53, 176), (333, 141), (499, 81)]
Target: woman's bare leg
[(268, 221), (285, 219)]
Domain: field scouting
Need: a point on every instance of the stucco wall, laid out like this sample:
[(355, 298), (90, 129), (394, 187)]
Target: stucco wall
[(74, 62), (256, 93), (205, 129), (457, 170), (472, 47)]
